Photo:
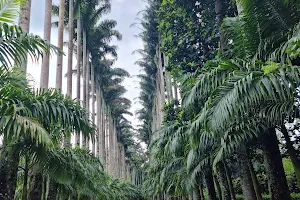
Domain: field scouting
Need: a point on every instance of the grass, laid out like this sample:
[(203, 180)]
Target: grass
[(295, 196)]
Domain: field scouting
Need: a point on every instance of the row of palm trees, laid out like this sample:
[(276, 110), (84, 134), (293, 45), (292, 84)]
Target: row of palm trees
[(35, 163), (233, 104)]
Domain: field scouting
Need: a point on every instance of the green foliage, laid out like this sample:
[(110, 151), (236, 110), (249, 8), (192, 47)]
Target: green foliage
[(229, 98), (9, 10)]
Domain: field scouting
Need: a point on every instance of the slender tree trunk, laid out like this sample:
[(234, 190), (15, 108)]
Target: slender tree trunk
[(201, 192), (210, 187), (274, 168), (79, 54), (219, 18), (98, 136), (196, 194), (217, 186), (229, 181), (246, 180), (24, 23), (292, 152), (255, 181), (60, 44), (175, 90), (44, 78), (93, 106), (25, 179), (36, 193), (71, 47), (52, 190), (223, 181), (84, 61), (102, 138), (111, 146), (88, 82), (88, 92)]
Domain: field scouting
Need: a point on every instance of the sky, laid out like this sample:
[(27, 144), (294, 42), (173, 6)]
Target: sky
[(125, 13)]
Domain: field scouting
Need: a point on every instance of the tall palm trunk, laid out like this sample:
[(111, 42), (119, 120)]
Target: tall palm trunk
[(196, 194), (84, 62), (87, 142), (71, 47), (52, 191), (103, 142), (219, 18), (245, 175), (36, 192), (44, 78), (24, 23), (111, 146), (25, 179), (87, 82), (60, 44), (274, 168), (229, 181), (78, 55), (98, 136), (254, 180), (93, 105), (210, 187), (223, 181)]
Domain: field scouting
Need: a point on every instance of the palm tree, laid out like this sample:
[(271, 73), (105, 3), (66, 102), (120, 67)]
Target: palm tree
[(59, 66), (15, 43), (44, 78), (24, 23), (71, 46)]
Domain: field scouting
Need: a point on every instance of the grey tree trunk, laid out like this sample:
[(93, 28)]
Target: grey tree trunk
[(52, 191), (79, 55), (60, 44), (245, 175), (219, 19), (71, 48), (229, 181), (84, 61), (110, 148), (103, 137), (279, 189), (175, 90), (87, 106), (255, 180), (44, 78), (87, 82), (223, 181), (196, 194), (93, 106), (24, 23), (210, 187), (98, 136), (36, 193)]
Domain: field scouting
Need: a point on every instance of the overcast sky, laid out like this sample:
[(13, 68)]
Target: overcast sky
[(125, 13)]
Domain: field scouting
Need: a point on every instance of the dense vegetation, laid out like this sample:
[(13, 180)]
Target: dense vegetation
[(232, 128), (219, 90)]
